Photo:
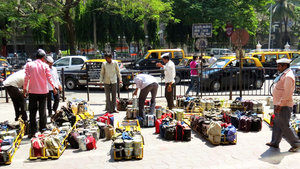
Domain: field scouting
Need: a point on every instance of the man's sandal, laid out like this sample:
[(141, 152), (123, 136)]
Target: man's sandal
[(294, 149), (271, 145)]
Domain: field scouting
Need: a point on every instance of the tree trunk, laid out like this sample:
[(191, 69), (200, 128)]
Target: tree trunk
[(280, 33), (71, 33), (286, 35)]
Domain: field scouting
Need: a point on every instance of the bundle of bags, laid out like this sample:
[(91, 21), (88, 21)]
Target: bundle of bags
[(127, 144), (51, 142), (214, 130), (8, 135)]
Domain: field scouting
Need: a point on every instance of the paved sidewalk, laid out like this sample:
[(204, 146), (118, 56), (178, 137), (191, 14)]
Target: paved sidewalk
[(249, 152)]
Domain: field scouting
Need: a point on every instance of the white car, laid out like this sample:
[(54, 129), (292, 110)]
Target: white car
[(70, 62)]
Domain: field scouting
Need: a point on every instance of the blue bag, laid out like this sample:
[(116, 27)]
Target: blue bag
[(231, 133)]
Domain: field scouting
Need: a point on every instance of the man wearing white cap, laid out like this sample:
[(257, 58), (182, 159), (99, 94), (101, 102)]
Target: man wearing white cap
[(37, 75), (170, 74), (56, 82), (284, 86)]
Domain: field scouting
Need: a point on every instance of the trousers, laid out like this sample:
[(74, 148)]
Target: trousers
[(110, 93), (18, 102), (143, 95), (169, 95), (35, 99), (55, 104), (281, 126)]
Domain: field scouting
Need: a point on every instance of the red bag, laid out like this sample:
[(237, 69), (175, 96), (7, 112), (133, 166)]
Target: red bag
[(110, 117), (225, 125), (157, 123), (103, 119), (37, 146), (167, 115), (226, 117), (147, 103), (90, 143)]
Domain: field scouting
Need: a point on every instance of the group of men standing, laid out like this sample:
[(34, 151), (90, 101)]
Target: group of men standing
[(39, 81)]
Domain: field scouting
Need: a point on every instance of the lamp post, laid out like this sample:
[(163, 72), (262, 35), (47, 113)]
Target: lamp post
[(270, 30)]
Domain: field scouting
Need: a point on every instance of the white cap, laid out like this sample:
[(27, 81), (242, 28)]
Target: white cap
[(165, 54), (29, 60), (49, 59), (283, 60)]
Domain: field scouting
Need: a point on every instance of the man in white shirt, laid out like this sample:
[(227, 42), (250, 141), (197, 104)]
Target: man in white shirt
[(58, 87), (108, 75), (170, 74), (212, 59), (146, 83), (12, 85)]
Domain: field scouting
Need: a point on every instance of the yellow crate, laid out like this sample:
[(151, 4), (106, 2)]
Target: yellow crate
[(136, 157), (15, 145), (267, 118)]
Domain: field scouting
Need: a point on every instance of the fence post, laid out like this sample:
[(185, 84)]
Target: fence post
[(5, 76), (63, 83), (87, 81), (230, 83)]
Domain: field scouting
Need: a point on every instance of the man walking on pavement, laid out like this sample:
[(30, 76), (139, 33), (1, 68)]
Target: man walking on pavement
[(170, 74), (37, 73), (212, 59), (108, 75), (12, 85), (146, 83), (284, 86), (57, 85)]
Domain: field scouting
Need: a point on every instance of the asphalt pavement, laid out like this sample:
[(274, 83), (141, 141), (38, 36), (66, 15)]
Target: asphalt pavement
[(249, 152)]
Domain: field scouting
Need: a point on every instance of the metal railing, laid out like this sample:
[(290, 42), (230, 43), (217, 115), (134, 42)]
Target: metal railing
[(215, 82)]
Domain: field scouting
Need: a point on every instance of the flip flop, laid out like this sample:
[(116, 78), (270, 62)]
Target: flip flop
[(294, 149)]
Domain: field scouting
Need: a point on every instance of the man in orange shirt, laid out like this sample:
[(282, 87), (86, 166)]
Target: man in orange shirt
[(284, 86)]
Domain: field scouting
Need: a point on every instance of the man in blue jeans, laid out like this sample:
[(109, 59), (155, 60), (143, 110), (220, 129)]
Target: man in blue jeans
[(194, 76)]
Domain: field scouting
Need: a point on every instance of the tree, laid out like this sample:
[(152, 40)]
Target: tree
[(243, 14), (282, 10)]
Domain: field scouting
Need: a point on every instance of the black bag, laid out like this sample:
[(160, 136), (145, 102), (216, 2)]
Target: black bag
[(179, 132), (187, 132), (256, 124), (73, 139), (122, 104), (101, 127), (170, 133)]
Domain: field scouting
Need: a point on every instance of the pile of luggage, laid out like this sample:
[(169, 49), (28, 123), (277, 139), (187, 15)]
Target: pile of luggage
[(247, 105), (52, 141), (11, 134), (191, 103), (128, 141), (171, 129), (243, 120), (214, 130)]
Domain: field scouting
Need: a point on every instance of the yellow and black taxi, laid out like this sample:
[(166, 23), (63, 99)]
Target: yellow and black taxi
[(148, 60), (268, 59), (225, 72), (183, 68), (6, 65), (91, 71)]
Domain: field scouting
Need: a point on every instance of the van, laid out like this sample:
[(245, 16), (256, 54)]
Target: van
[(218, 52), (268, 59), (148, 60)]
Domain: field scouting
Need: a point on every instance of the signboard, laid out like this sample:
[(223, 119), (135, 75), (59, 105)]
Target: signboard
[(93, 71), (201, 30), (201, 43), (229, 29)]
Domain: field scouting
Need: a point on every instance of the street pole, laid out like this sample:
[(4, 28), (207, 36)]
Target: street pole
[(271, 10), (95, 36)]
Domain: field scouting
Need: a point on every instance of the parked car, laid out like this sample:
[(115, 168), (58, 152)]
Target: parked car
[(4, 64), (78, 78), (218, 52), (148, 60), (295, 66), (183, 68), (268, 59), (70, 63), (217, 75)]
